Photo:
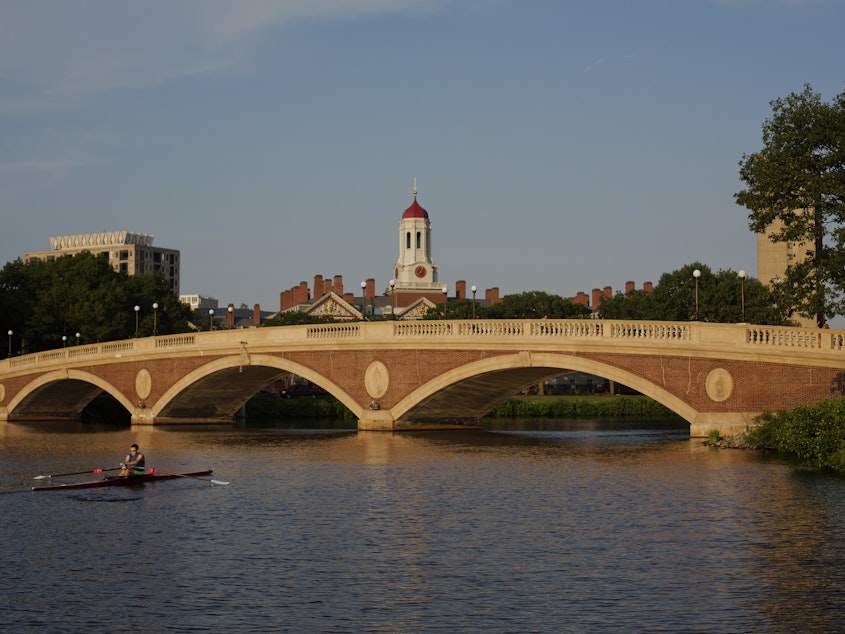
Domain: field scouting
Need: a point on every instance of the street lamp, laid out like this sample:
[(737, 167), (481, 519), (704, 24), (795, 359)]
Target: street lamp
[(231, 320), (392, 284), (473, 288), (155, 318), (742, 293), (445, 299), (364, 299), (137, 308), (696, 274), (64, 341), (10, 343), (78, 335), (211, 319)]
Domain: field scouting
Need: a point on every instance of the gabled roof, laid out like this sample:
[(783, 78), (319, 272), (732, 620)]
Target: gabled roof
[(333, 305), (416, 310)]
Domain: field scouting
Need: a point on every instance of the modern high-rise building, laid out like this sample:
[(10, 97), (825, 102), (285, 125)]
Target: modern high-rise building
[(127, 252)]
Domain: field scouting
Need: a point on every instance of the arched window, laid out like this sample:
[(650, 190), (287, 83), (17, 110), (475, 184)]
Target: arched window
[(419, 239), (408, 240)]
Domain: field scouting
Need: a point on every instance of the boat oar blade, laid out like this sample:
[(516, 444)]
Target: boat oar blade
[(218, 482)]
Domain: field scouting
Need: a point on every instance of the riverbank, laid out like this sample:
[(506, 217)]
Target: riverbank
[(600, 406), (265, 406), (737, 441), (812, 436)]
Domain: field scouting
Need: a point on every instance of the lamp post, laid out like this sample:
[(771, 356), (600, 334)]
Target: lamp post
[(696, 274), (211, 319), (742, 293), (473, 288), (364, 299), (10, 343), (155, 318), (64, 341), (392, 300), (137, 308), (78, 335), (445, 299), (231, 319)]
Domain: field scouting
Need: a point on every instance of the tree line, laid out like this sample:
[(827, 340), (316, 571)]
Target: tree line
[(45, 304)]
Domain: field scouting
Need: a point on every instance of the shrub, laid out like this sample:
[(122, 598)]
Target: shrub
[(814, 435)]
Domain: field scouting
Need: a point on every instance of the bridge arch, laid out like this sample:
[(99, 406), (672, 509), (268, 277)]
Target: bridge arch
[(234, 380), (470, 391), (62, 394)]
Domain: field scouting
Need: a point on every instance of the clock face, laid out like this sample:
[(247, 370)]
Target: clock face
[(420, 271)]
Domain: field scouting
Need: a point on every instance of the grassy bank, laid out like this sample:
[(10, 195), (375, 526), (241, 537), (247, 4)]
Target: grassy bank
[(581, 407), (264, 407), (813, 436)]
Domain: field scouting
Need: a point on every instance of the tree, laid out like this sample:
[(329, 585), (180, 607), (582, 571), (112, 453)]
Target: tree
[(535, 305), (42, 302), (796, 193), (292, 318), (720, 299)]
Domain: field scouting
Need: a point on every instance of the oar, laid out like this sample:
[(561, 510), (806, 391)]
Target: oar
[(61, 475), (182, 475)]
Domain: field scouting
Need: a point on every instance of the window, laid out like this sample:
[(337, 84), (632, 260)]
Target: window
[(419, 239), (408, 240)]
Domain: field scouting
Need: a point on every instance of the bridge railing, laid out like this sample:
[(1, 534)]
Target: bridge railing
[(688, 334)]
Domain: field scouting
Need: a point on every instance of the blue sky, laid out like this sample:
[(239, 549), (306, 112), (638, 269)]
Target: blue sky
[(557, 145)]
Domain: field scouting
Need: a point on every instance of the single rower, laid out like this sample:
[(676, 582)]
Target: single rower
[(133, 463)]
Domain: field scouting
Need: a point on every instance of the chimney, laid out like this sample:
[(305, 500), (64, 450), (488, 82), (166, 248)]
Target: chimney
[(371, 288), (318, 286), (337, 287), (648, 287), (581, 298), (256, 315), (492, 295), (608, 291), (460, 289), (327, 287), (596, 299), (630, 287)]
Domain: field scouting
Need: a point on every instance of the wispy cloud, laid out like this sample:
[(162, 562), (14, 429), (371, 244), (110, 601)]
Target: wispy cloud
[(56, 51), (44, 167)]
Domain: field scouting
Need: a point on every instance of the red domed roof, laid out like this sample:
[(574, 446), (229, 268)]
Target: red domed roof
[(415, 211)]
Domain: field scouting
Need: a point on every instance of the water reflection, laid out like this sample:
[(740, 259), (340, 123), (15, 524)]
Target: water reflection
[(562, 526)]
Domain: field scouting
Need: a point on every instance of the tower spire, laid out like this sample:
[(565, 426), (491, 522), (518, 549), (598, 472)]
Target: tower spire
[(415, 187)]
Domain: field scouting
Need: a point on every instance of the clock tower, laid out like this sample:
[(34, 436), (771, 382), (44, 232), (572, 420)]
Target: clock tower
[(414, 271)]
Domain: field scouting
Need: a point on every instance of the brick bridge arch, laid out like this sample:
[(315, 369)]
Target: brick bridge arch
[(395, 375)]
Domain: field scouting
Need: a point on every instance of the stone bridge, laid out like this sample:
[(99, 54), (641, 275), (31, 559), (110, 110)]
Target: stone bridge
[(434, 374)]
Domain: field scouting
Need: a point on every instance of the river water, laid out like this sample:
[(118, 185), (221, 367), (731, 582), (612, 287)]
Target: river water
[(529, 527)]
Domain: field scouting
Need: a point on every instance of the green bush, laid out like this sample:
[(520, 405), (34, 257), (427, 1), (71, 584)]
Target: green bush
[(265, 407), (814, 435), (580, 407)]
